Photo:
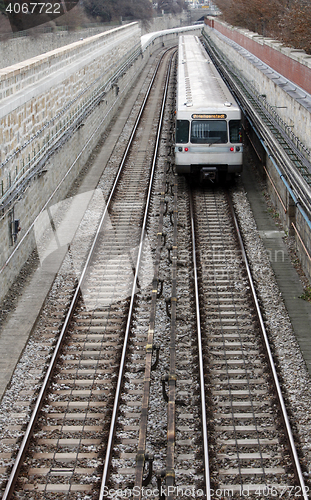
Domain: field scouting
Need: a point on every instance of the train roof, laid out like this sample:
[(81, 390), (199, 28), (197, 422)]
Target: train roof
[(200, 86)]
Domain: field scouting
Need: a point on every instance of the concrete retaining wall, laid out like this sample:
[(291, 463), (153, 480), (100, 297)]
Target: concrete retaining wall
[(17, 49), (43, 97), (303, 243), (151, 41)]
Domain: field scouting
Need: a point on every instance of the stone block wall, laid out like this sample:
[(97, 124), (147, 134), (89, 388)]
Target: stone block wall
[(47, 110), (44, 92), (167, 21), (22, 47), (52, 186), (47, 124)]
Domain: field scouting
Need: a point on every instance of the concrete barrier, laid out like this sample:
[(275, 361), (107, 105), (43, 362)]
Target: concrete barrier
[(151, 41), (21, 46)]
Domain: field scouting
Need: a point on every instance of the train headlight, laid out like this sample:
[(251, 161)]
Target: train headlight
[(180, 149), (186, 149), (231, 149)]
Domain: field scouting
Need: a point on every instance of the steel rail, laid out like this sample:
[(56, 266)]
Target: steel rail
[(47, 379), (285, 418), (129, 319), (200, 350)]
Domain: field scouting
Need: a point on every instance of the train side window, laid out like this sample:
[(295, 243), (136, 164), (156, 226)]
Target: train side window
[(182, 131), (235, 131), (209, 132)]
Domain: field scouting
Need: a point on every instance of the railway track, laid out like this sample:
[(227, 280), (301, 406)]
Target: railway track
[(161, 380), (221, 427), (251, 449), (67, 446)]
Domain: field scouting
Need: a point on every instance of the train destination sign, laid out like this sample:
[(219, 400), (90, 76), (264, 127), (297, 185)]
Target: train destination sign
[(212, 115)]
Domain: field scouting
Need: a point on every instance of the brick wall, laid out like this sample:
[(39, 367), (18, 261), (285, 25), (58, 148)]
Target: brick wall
[(294, 64)]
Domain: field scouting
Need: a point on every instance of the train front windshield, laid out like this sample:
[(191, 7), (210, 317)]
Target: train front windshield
[(209, 132)]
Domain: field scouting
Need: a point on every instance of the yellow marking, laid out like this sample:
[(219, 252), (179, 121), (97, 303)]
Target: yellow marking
[(170, 474)]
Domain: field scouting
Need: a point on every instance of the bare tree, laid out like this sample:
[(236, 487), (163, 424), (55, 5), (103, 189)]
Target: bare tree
[(295, 25), (109, 10), (288, 21)]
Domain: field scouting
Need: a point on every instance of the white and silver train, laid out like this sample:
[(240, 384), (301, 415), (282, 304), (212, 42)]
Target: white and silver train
[(208, 120)]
